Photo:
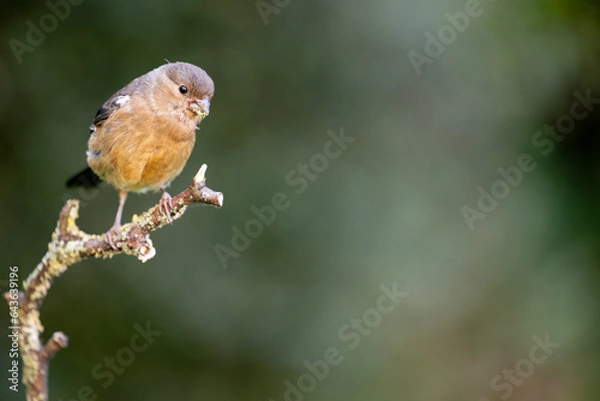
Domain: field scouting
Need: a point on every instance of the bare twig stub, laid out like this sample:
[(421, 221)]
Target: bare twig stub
[(70, 245)]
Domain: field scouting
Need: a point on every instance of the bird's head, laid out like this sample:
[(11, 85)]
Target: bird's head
[(192, 88)]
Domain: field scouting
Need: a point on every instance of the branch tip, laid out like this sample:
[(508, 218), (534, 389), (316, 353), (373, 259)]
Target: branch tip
[(58, 341), (68, 216), (200, 176), (145, 253)]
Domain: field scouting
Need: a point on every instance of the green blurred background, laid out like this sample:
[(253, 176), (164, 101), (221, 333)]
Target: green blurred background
[(388, 210)]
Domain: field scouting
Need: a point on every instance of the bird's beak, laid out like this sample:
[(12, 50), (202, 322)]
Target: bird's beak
[(201, 107)]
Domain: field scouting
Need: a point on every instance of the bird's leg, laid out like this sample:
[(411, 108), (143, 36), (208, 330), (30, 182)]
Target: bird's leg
[(109, 234), (166, 204)]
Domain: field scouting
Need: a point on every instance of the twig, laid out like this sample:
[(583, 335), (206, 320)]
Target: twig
[(70, 245)]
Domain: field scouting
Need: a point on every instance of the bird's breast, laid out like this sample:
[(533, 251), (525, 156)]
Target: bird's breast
[(168, 159), (140, 153)]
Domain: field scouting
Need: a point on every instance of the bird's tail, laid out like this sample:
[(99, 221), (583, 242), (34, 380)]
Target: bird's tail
[(86, 179)]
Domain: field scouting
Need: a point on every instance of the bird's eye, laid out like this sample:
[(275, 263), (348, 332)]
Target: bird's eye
[(183, 89)]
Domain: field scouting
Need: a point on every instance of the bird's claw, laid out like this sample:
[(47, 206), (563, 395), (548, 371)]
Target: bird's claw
[(109, 237), (166, 206)]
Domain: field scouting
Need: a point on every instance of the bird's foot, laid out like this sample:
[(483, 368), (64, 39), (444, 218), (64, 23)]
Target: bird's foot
[(109, 237), (166, 205)]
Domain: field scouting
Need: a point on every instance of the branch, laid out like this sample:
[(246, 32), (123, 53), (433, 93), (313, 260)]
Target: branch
[(70, 245)]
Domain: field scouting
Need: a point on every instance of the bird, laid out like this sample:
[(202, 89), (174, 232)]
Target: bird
[(143, 135)]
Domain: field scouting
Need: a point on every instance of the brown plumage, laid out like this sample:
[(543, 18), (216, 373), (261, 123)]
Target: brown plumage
[(144, 134)]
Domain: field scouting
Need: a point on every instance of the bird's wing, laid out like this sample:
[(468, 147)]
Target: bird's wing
[(113, 104)]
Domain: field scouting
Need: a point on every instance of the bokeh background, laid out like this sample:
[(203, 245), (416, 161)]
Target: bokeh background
[(387, 211)]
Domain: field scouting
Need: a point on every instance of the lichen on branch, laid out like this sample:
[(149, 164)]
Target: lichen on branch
[(70, 245)]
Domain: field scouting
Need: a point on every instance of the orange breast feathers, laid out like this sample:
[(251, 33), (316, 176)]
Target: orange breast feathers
[(142, 151)]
